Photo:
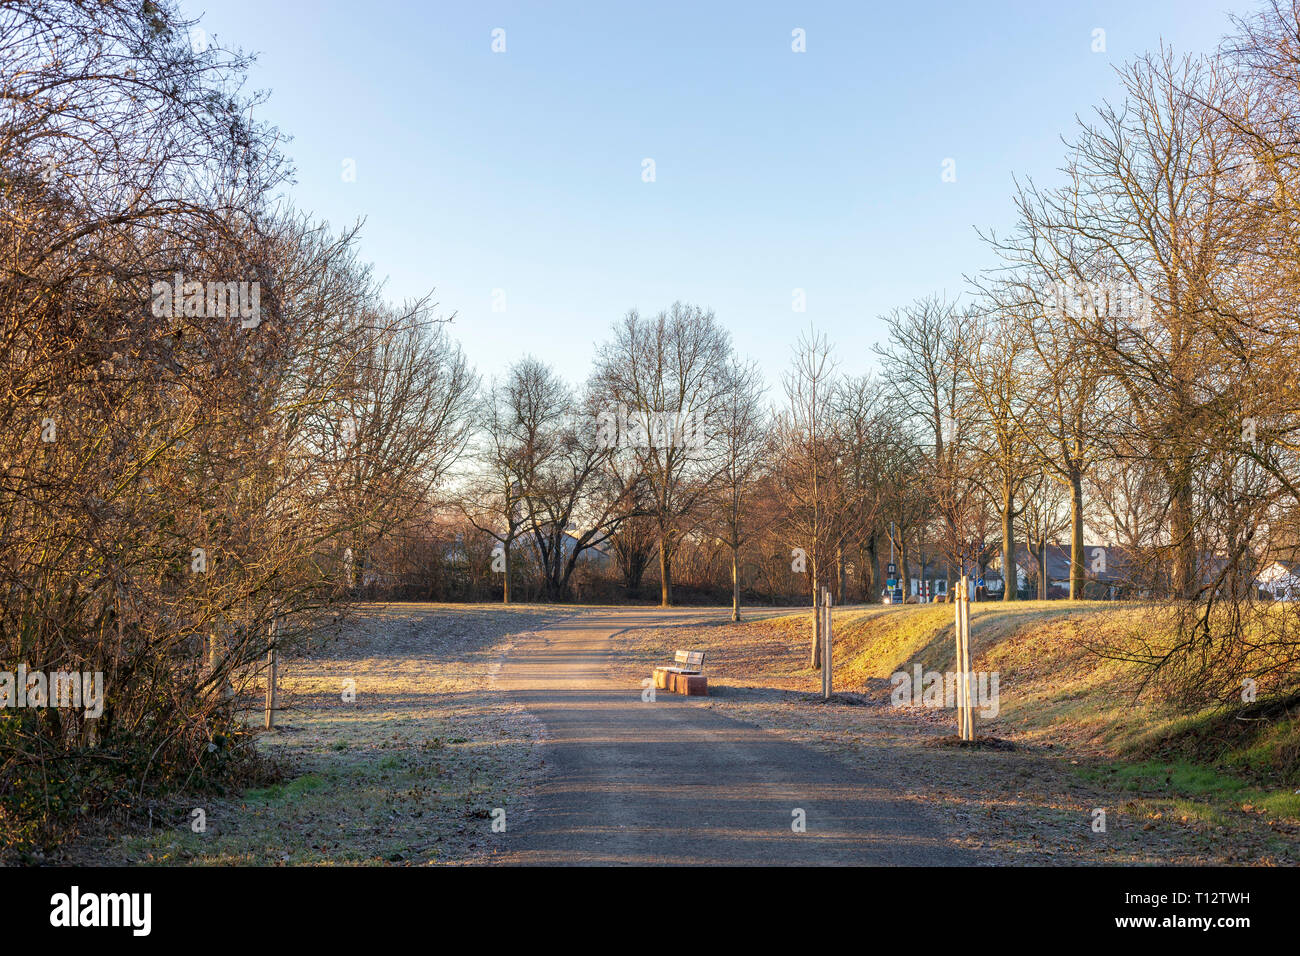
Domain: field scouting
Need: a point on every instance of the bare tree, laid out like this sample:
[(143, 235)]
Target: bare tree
[(742, 437), (513, 440), (575, 497), (1135, 246), (817, 501), (663, 380), (999, 390), (923, 360)]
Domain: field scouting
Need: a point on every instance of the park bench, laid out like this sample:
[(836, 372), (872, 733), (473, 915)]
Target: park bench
[(683, 676)]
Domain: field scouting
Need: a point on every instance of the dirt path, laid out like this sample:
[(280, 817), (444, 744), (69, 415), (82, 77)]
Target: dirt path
[(675, 782)]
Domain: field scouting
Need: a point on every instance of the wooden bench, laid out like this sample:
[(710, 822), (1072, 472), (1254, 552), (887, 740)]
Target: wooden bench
[(684, 676)]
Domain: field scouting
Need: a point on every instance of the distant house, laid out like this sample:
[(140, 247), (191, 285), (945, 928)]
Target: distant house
[(1110, 572), (932, 586), (599, 555), (1107, 571), (1027, 572), (1280, 580), (928, 578)]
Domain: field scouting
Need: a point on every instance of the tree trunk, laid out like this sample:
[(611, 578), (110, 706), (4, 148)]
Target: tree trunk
[(1076, 535), (873, 567), (505, 588), (735, 583), (815, 660), (1042, 569), (905, 566), (1182, 536), (839, 574), (1009, 576), (665, 573)]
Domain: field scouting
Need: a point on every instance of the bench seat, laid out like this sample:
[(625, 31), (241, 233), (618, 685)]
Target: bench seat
[(684, 675)]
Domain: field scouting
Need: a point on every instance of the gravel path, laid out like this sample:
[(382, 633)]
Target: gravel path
[(674, 782)]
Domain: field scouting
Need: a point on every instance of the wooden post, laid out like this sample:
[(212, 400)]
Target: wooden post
[(270, 680), (961, 698), (827, 601), (961, 679), (821, 634), (821, 613), (965, 667), (961, 619), (970, 704), (965, 706)]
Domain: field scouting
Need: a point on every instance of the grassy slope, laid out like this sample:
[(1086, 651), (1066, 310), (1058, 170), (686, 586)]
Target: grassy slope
[(1054, 688)]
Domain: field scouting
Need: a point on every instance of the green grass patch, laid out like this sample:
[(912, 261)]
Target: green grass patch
[(1158, 776), (280, 792), (1192, 791)]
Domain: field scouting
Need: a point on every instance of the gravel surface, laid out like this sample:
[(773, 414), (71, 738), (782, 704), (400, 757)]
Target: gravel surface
[(675, 781)]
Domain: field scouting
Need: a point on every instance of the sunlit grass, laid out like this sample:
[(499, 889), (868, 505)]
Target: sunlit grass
[(1056, 689)]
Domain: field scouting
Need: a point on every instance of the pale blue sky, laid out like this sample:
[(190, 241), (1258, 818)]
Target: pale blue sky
[(775, 170)]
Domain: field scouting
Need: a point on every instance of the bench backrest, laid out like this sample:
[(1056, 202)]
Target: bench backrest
[(694, 660)]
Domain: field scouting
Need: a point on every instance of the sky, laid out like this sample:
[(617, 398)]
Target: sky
[(513, 184)]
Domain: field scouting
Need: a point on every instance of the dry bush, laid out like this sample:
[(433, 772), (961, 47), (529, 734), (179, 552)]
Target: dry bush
[(175, 493)]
